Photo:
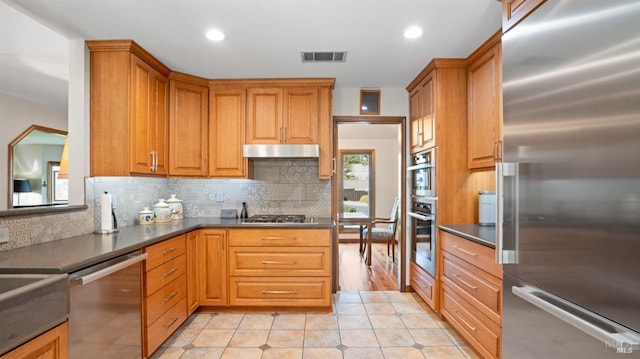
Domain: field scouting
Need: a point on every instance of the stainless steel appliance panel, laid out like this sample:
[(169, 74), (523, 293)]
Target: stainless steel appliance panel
[(571, 188), (105, 313), (422, 173), (422, 237)]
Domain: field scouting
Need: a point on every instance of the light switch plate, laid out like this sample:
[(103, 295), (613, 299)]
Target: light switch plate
[(4, 234), (220, 196)]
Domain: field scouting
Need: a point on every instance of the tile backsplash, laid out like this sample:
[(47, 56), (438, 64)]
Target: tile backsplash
[(278, 186)]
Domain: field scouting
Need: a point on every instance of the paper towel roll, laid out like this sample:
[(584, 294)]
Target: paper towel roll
[(105, 214)]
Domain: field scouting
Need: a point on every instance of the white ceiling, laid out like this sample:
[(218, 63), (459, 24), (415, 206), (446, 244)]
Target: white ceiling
[(265, 37)]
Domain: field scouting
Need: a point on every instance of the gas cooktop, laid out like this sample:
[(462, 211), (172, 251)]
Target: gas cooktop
[(275, 218)]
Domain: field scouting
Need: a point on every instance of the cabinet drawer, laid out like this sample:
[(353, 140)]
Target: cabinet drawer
[(162, 328), (477, 286), (297, 261), (165, 298), (165, 273), (423, 284), (280, 237), (161, 252), (283, 291), (483, 334), (480, 256)]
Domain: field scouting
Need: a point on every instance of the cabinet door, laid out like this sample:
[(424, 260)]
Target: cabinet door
[(485, 109), (192, 272), (212, 251), (160, 122), (325, 134), (415, 116), (53, 344), (148, 125), (227, 133), (515, 10), (264, 116), (188, 132), (300, 119), (141, 158), (427, 99)]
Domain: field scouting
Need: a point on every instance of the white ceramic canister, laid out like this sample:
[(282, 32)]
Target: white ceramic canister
[(145, 216), (177, 211), (161, 212)]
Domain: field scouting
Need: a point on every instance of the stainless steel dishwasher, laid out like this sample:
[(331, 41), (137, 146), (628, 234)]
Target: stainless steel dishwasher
[(105, 313)]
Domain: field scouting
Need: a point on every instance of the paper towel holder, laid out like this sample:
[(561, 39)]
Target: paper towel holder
[(112, 217)]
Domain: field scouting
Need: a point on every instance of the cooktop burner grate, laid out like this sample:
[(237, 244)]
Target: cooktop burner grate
[(276, 218)]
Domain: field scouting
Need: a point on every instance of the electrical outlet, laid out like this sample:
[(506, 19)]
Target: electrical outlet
[(4, 234), (220, 196)]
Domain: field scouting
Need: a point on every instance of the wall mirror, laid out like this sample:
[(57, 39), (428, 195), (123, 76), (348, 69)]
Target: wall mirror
[(356, 183), (35, 158)]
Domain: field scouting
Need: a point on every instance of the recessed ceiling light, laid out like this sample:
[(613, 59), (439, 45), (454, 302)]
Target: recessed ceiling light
[(215, 35), (413, 32)]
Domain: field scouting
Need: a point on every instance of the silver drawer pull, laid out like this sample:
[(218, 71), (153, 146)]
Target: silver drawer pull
[(279, 292), (464, 321), (280, 262), (279, 238), (465, 283), (173, 320), (465, 252), (172, 249), (170, 272), (173, 294)]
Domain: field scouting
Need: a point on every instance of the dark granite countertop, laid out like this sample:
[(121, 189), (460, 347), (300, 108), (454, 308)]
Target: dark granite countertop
[(473, 232), (71, 254)]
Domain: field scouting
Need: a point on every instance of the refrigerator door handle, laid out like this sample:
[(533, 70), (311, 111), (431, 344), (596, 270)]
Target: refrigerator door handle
[(506, 171), (612, 334)]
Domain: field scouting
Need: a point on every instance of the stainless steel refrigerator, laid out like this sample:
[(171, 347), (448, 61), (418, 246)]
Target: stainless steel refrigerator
[(569, 187)]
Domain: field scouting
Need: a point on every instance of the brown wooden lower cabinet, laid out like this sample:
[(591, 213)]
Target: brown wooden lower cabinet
[(53, 344), (165, 292), (280, 267), (471, 293), (424, 285)]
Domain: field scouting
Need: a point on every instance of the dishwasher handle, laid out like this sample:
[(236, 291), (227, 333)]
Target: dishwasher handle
[(91, 277)]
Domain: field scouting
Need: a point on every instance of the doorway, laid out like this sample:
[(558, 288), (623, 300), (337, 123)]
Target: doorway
[(377, 144)]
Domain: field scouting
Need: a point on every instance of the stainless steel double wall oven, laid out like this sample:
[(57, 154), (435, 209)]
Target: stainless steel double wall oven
[(423, 224)]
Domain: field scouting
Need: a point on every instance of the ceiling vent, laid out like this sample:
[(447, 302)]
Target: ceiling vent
[(324, 56)]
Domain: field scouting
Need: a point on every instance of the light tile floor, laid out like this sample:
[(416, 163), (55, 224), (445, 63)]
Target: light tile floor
[(372, 325)]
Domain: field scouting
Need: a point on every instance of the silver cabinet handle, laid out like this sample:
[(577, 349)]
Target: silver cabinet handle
[(280, 262), (168, 298), (172, 249), (152, 161), (173, 320), (465, 282), (91, 277), (465, 251), (279, 238), (612, 334), (279, 292), (473, 329), (170, 272)]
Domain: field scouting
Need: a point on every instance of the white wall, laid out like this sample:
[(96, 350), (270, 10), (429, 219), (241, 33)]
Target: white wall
[(16, 115)]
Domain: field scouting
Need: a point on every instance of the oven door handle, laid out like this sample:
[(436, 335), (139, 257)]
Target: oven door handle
[(422, 217), (419, 166)]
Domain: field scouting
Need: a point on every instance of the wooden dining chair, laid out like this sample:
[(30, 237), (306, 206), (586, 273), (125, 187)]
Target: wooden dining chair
[(387, 233)]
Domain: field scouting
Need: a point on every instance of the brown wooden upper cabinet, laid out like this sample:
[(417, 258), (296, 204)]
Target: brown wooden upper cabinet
[(129, 110), (188, 125), (485, 104), (430, 100), (227, 115), (515, 10), (282, 115), (422, 114)]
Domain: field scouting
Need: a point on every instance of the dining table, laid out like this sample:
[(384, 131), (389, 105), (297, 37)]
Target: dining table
[(362, 220)]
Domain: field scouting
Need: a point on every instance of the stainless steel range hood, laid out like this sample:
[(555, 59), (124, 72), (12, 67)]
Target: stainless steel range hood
[(281, 151)]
